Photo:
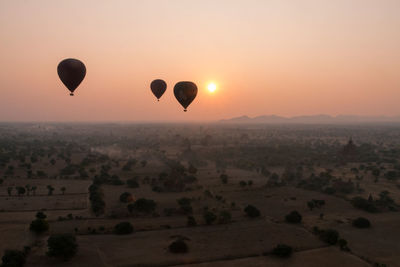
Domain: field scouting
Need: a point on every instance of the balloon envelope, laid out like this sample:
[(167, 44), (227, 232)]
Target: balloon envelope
[(71, 72), (185, 93), (158, 87)]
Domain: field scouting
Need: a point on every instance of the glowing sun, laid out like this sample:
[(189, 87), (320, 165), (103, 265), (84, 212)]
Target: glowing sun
[(212, 87)]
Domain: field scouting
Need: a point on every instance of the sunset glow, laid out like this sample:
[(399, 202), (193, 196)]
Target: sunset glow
[(270, 56), (212, 87)]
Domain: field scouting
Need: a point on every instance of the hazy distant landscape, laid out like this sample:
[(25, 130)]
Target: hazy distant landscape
[(229, 195), (313, 119)]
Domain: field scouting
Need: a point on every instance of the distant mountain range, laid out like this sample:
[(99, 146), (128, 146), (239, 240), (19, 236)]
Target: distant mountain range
[(314, 119)]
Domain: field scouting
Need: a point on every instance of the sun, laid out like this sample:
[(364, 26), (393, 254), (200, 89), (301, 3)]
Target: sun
[(212, 87)]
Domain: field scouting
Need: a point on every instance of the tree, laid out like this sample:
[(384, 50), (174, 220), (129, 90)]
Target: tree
[(20, 190), (361, 222), (142, 205), (186, 205), (343, 244), (191, 221), (329, 236), (209, 217), (224, 178), (126, 197), (282, 251), (53, 162), (13, 258), (62, 246), (178, 246), (252, 211), (224, 217), (192, 169), (34, 187), (62, 189), (123, 228), (39, 226), (41, 215), (28, 189), (132, 183), (50, 190), (293, 217)]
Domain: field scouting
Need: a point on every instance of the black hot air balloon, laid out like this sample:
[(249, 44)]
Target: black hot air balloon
[(158, 88), (71, 72), (185, 93)]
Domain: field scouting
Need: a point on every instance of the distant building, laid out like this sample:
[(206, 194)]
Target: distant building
[(349, 151)]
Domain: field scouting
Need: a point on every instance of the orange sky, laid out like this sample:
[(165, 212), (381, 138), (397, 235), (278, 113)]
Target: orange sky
[(267, 57)]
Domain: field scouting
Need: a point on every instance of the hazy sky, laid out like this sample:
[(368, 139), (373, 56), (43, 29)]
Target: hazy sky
[(267, 57)]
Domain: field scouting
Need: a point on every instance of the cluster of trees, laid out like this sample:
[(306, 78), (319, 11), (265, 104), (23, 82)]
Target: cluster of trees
[(15, 258), (244, 183), (384, 202), (21, 190), (143, 206), (126, 197), (40, 224), (96, 199), (315, 203), (223, 217), (178, 179), (185, 205), (60, 246), (331, 237)]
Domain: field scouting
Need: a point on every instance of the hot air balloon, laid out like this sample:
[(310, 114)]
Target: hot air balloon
[(185, 93), (158, 88), (71, 72)]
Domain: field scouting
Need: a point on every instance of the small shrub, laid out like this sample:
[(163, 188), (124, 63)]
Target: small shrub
[(132, 183), (191, 221), (282, 251), (329, 236), (142, 205), (125, 197), (209, 217), (224, 217), (123, 228), (252, 211), (293, 217), (41, 215), (178, 246), (361, 222), (39, 226), (343, 244)]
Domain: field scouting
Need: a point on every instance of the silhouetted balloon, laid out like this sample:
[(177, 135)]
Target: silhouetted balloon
[(158, 88), (71, 72), (185, 93)]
